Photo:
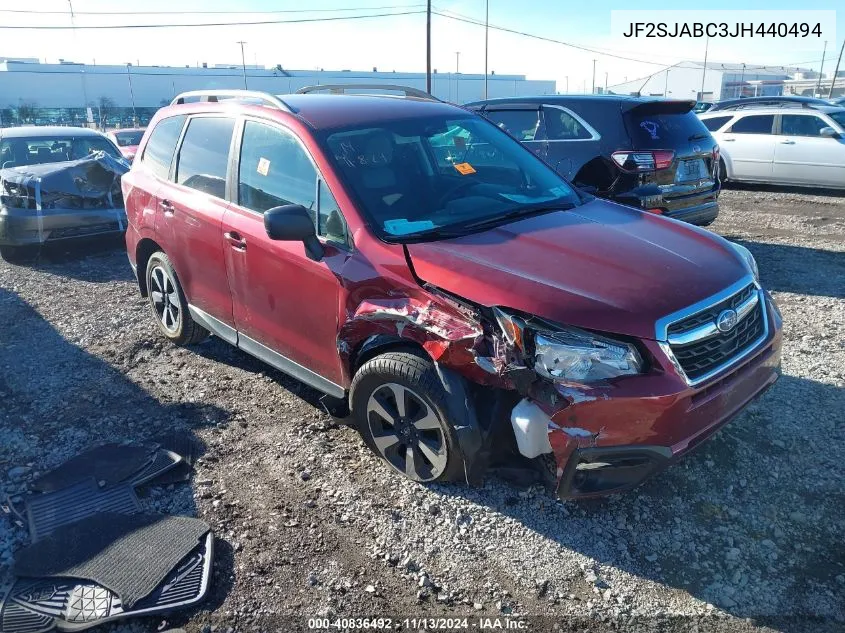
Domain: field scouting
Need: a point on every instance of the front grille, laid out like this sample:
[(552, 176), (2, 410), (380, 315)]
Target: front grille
[(703, 356)]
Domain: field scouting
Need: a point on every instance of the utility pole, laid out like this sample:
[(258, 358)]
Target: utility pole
[(132, 95), (486, 33), (836, 72), (742, 82), (666, 85), (594, 77), (567, 84), (243, 62), (428, 48), (819, 82), (605, 82), (704, 69)]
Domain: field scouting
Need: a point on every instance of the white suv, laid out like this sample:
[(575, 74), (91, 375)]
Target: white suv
[(802, 146)]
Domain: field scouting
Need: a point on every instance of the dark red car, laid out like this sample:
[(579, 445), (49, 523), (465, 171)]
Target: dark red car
[(408, 257), (127, 140)]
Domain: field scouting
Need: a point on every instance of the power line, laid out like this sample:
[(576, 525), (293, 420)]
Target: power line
[(207, 24), (30, 12)]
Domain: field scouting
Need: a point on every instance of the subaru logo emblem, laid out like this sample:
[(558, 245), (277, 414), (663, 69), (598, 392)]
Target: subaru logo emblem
[(726, 321)]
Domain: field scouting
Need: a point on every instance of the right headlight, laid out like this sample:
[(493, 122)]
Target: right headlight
[(749, 260), (579, 356)]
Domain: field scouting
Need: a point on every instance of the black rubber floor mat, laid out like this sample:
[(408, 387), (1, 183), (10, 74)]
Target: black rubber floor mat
[(162, 464), (108, 465), (48, 512), (68, 604), (128, 554)]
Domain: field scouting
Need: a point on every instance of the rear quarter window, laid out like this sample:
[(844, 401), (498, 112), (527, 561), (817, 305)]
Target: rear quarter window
[(161, 145), (664, 130)]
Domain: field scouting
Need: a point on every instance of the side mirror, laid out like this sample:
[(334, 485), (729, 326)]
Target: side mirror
[(292, 223), (828, 132)]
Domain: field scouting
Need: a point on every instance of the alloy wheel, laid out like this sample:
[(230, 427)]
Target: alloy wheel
[(165, 299), (407, 432)]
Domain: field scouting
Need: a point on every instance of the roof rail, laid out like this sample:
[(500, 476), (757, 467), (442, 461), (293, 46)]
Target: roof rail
[(340, 89), (214, 96), (768, 104)]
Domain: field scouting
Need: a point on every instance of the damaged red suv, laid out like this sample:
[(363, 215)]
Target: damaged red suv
[(473, 309)]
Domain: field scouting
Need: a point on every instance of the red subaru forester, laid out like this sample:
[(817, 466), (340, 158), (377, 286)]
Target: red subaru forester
[(410, 259)]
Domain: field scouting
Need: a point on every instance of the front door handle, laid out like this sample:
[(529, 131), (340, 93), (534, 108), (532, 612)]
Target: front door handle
[(787, 142), (728, 140), (166, 206), (234, 238)]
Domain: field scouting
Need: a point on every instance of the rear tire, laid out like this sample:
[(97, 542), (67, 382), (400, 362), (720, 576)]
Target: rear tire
[(168, 303), (402, 411), (19, 254)]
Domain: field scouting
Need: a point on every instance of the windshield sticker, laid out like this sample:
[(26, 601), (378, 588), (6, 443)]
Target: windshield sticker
[(263, 166), (651, 128), (401, 226), (465, 168), (460, 142)]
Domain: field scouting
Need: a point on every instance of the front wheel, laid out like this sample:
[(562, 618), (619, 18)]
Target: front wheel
[(18, 254), (403, 413), (168, 303)]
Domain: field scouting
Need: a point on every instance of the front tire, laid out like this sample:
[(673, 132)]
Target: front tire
[(402, 411), (168, 303)]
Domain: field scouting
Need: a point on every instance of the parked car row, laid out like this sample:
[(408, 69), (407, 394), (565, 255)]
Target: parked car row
[(448, 287)]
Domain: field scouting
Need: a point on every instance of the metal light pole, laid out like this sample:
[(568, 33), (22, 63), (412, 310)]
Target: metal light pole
[(243, 62), (742, 81), (428, 48), (567, 84), (605, 82), (666, 85), (819, 83), (836, 72), (594, 77), (131, 95), (704, 69), (457, 76), (486, 33)]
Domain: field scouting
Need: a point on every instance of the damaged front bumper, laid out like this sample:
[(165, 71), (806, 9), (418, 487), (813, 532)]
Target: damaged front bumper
[(610, 438)]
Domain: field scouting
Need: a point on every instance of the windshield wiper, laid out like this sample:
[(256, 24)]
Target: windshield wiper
[(697, 136), (517, 213)]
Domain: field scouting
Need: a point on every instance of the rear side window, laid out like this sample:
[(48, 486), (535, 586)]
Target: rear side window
[(715, 122), (664, 130), (755, 124), (562, 126), (521, 124), (204, 155), (160, 147)]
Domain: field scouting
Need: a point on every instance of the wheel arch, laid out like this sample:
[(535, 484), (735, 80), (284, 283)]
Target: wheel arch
[(143, 251)]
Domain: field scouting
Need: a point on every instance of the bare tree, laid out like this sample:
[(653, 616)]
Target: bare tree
[(26, 111)]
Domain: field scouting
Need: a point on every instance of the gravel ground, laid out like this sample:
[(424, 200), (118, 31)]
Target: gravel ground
[(745, 534)]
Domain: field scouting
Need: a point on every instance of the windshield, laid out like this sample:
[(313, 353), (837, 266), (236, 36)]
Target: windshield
[(129, 138), (15, 152), (417, 177), (839, 117)]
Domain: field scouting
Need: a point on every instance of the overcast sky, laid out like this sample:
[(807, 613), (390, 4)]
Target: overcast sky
[(390, 43)]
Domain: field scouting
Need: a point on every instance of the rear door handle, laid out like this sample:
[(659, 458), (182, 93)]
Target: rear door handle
[(787, 142), (234, 238), (166, 206), (728, 140)]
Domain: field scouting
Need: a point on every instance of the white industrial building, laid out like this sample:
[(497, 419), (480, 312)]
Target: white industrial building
[(720, 81), (71, 86)]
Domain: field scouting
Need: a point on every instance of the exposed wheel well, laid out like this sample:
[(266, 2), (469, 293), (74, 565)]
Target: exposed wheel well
[(146, 247), (380, 344)]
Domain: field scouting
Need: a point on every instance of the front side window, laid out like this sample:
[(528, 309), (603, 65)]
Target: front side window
[(523, 125), (204, 155), (432, 175), (275, 170), (162, 143), (801, 125), (756, 124)]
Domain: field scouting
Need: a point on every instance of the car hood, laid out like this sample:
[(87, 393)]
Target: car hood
[(601, 266)]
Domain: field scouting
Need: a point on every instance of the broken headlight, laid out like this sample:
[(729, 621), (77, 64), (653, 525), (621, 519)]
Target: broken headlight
[(749, 260), (575, 355)]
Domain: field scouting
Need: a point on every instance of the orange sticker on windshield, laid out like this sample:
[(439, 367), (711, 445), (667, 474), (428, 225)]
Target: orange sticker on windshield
[(465, 168)]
